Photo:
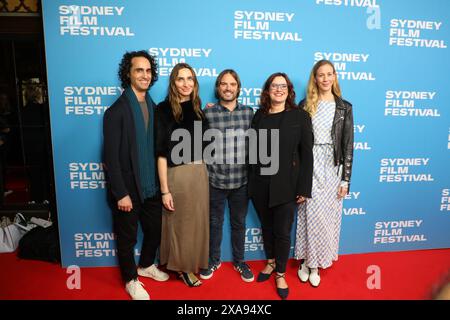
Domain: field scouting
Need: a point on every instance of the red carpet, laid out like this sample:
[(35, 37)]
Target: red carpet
[(404, 275)]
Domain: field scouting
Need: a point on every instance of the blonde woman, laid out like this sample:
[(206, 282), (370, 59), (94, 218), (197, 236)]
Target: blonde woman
[(183, 178), (319, 218)]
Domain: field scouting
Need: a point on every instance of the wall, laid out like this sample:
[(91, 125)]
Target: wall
[(393, 65)]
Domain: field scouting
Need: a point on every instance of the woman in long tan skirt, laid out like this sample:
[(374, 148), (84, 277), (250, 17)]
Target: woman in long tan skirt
[(183, 178)]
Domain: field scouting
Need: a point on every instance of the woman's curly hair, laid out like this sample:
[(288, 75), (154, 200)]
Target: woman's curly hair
[(125, 67)]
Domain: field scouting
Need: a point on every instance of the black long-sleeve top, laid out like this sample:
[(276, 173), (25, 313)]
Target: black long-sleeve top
[(165, 127)]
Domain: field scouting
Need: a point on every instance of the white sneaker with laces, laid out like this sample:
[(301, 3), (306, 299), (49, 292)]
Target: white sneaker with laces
[(136, 290), (314, 277), (153, 272), (303, 272)]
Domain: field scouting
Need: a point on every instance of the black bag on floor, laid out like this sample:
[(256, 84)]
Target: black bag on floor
[(40, 244)]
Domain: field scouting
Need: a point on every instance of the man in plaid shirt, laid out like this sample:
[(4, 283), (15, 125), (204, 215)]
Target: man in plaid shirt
[(228, 175)]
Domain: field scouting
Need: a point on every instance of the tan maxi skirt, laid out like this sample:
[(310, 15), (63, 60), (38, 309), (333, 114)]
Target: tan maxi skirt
[(185, 231)]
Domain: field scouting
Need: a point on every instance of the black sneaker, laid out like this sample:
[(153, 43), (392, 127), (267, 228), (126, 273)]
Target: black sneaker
[(206, 274), (244, 270)]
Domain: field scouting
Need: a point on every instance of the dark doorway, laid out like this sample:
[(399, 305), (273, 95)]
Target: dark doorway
[(25, 141)]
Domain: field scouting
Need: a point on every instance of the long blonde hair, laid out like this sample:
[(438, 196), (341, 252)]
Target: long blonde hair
[(312, 91), (174, 97)]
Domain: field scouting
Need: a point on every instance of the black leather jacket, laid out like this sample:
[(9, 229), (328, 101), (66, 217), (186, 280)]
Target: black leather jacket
[(342, 133)]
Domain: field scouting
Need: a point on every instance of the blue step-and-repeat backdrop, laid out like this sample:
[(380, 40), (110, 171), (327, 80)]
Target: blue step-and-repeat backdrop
[(393, 63)]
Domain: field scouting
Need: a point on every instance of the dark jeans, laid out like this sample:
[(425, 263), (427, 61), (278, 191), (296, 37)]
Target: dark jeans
[(238, 204), (276, 223), (126, 227)]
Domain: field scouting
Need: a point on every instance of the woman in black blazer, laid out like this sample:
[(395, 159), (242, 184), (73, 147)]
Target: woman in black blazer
[(276, 187)]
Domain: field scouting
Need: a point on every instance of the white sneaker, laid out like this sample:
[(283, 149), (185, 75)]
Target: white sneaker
[(136, 290), (314, 277), (303, 272), (153, 272)]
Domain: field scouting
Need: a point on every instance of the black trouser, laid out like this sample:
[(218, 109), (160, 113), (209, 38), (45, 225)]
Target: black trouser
[(126, 227), (276, 223)]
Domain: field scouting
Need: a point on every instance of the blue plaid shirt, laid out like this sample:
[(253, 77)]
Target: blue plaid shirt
[(232, 174)]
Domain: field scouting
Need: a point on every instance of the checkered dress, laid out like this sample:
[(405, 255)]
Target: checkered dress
[(232, 172), (319, 218)]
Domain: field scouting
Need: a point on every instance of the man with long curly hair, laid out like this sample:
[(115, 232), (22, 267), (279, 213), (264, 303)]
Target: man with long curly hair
[(129, 157)]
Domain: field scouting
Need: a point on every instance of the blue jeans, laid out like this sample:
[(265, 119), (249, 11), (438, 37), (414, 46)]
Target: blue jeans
[(238, 204)]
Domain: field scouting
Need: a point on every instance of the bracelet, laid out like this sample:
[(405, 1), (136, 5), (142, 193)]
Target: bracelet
[(164, 193)]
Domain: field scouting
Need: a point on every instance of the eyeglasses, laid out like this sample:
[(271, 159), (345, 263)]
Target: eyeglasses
[(275, 86)]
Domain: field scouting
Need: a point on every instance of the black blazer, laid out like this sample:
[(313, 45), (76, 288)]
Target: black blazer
[(294, 176), (120, 151)]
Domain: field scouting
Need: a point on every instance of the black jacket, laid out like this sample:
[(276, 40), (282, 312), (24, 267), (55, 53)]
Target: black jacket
[(294, 176), (120, 151), (342, 133)]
